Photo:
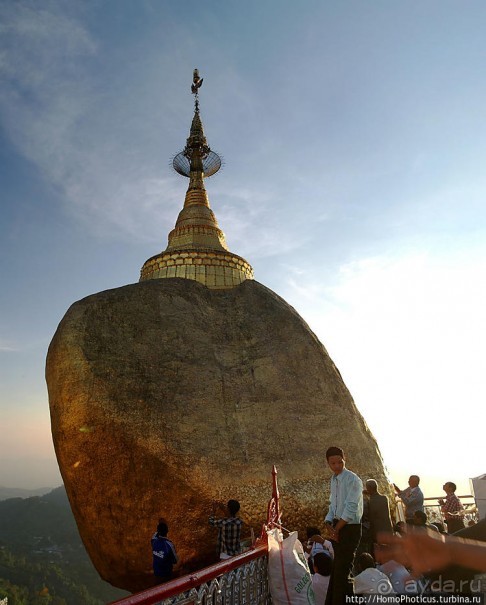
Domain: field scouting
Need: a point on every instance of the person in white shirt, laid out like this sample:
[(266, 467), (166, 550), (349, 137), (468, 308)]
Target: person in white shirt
[(399, 576), (369, 579), (343, 522)]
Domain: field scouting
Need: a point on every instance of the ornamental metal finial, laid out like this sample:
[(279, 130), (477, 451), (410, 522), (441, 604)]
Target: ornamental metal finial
[(195, 86), (197, 156)]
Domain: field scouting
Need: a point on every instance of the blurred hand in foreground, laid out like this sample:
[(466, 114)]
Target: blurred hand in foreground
[(423, 550)]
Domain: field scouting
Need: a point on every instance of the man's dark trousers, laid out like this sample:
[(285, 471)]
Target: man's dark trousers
[(340, 582)]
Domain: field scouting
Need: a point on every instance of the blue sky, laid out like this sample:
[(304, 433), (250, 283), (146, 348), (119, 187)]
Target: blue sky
[(354, 142)]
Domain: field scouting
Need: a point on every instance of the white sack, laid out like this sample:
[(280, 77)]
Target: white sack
[(288, 573)]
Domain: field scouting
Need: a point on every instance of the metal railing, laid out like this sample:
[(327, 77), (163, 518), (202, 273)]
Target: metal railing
[(435, 514), (240, 580), (433, 509)]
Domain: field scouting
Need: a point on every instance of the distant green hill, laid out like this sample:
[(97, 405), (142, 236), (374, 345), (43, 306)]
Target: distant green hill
[(17, 492), (42, 558)]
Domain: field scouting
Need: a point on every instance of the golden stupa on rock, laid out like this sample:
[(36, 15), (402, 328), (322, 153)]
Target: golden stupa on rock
[(197, 248), (195, 392)]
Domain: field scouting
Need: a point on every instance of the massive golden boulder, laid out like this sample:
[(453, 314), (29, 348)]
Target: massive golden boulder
[(166, 395)]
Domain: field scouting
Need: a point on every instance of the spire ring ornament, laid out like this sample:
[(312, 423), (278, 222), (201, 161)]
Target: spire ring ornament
[(211, 164)]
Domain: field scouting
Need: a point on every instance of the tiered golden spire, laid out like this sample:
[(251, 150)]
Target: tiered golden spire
[(197, 248)]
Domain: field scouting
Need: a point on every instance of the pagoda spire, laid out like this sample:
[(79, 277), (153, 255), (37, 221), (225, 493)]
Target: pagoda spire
[(197, 248)]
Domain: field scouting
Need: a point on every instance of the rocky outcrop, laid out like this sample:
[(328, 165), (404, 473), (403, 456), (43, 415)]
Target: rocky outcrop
[(166, 395)]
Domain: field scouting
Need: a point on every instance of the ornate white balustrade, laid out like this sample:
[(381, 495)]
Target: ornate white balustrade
[(245, 585)]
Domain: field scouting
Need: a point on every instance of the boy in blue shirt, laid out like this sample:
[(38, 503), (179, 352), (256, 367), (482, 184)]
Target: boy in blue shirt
[(164, 554)]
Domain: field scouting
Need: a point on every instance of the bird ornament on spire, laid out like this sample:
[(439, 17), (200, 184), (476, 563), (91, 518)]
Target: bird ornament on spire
[(196, 82)]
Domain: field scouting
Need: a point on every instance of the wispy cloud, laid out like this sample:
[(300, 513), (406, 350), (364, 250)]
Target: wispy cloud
[(254, 220), (406, 331), (80, 132), (6, 346), (93, 134), (44, 91)]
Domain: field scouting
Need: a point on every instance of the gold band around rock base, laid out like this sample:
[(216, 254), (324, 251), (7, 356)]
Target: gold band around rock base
[(212, 269)]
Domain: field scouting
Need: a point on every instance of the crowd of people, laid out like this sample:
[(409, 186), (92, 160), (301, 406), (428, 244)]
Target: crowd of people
[(360, 550), (373, 556)]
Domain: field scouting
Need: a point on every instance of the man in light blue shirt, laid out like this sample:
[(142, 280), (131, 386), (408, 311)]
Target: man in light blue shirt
[(412, 497), (344, 524)]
